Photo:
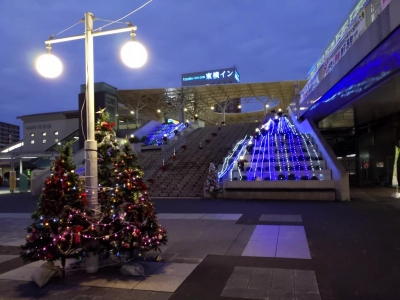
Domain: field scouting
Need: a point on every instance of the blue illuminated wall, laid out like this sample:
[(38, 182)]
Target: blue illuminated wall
[(377, 67)]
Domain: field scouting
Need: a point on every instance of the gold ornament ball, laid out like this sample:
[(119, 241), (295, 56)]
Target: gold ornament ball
[(158, 258)]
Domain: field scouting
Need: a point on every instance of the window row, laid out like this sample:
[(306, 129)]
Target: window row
[(44, 141), (44, 133)]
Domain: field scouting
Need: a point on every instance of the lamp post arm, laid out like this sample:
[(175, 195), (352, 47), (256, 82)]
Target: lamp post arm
[(95, 34)]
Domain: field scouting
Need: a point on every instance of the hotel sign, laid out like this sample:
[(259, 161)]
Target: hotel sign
[(220, 76)]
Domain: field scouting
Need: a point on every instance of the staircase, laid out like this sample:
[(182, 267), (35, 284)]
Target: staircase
[(278, 162), (185, 176)]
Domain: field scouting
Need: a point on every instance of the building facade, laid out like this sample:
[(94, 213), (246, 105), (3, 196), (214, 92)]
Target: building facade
[(43, 131), (9, 134)]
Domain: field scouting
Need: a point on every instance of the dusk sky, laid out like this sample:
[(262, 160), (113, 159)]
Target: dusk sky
[(266, 40)]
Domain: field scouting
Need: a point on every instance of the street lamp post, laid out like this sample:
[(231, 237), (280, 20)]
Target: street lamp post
[(43, 66)]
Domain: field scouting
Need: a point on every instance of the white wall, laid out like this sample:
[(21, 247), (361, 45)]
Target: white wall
[(64, 127), (339, 174)]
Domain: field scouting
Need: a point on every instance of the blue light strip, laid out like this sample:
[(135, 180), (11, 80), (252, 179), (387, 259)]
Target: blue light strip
[(300, 145), (226, 166), (294, 157), (263, 156), (314, 150), (291, 146), (269, 154), (258, 156), (277, 149), (251, 159)]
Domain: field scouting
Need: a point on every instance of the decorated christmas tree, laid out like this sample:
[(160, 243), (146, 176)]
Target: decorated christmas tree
[(61, 214), (212, 184), (128, 222)]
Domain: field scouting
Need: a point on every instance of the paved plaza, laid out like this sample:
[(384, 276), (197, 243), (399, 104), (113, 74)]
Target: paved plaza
[(235, 249)]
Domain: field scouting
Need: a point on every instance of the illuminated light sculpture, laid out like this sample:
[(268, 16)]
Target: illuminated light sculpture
[(281, 153)]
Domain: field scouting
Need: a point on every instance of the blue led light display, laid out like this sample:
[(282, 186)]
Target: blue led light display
[(277, 151)]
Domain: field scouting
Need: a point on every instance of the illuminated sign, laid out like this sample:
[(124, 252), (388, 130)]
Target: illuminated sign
[(220, 76)]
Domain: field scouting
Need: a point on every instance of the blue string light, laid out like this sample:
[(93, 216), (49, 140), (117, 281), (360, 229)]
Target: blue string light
[(280, 146)]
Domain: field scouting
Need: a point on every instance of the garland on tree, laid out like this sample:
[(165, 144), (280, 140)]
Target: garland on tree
[(61, 215), (126, 222)]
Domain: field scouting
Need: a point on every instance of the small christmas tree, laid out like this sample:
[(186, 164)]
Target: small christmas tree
[(61, 214), (212, 184), (128, 221), (107, 148)]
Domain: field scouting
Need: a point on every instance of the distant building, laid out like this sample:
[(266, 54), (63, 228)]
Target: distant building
[(43, 131), (9, 134)]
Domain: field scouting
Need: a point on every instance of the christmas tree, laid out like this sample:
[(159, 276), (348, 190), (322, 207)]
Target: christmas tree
[(212, 184), (61, 214), (128, 221)]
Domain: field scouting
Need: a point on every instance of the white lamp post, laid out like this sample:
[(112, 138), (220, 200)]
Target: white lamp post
[(49, 66)]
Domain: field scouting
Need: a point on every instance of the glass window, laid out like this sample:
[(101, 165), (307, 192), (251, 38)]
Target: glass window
[(56, 140), (32, 134), (55, 132), (44, 133)]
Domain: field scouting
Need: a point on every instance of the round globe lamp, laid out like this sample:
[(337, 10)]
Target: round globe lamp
[(49, 65), (133, 54)]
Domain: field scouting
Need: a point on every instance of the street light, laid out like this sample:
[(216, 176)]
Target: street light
[(50, 66)]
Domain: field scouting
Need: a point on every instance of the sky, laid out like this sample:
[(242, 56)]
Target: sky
[(266, 40)]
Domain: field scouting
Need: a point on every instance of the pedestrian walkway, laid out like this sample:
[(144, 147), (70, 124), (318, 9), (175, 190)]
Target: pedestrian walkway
[(234, 249)]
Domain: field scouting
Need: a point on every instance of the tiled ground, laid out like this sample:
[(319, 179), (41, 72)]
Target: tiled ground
[(13, 228), (192, 237), (269, 283), (232, 249), (278, 241)]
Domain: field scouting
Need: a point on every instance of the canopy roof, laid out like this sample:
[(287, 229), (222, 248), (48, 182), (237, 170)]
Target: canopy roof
[(199, 99)]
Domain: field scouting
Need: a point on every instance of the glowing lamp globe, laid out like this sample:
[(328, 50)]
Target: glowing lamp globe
[(49, 65), (133, 54)]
